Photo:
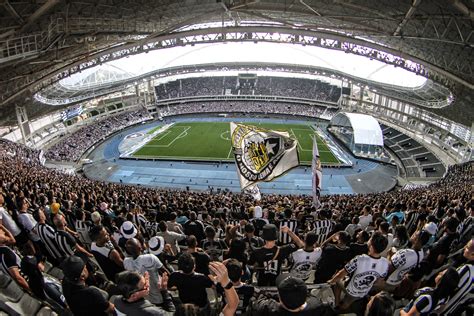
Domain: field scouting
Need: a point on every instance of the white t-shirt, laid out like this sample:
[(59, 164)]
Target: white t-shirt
[(403, 260), (304, 262), (8, 222), (365, 271), (149, 263), (364, 221), (29, 224), (389, 245)]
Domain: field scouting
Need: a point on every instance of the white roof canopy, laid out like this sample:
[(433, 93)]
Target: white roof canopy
[(365, 127)]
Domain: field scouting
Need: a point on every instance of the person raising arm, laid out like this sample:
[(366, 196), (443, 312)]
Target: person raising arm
[(220, 274)]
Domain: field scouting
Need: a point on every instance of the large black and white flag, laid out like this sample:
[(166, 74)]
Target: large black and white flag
[(261, 154)]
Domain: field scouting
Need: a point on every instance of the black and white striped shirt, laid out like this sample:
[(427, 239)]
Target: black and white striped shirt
[(292, 224), (66, 243), (322, 229), (140, 221), (465, 290), (412, 221), (47, 235), (83, 229)]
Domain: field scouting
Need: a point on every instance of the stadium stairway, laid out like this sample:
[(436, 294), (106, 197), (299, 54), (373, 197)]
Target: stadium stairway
[(417, 160)]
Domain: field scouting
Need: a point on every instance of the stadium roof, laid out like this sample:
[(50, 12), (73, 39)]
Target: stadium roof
[(353, 65), (44, 41), (366, 129)]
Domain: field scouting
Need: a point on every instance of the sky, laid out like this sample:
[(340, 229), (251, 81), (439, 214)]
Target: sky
[(260, 52)]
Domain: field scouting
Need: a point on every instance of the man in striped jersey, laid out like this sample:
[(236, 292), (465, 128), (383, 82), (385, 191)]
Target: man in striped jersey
[(464, 294), (47, 236), (413, 217), (140, 221), (82, 228), (9, 260), (324, 226), (288, 221), (67, 244)]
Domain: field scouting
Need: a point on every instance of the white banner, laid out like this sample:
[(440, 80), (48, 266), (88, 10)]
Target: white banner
[(261, 154), (317, 174)]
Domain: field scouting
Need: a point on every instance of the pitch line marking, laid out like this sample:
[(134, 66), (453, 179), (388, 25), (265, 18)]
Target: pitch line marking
[(223, 137), (230, 151), (183, 134)]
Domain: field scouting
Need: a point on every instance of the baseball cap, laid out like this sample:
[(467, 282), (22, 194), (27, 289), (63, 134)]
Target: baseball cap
[(55, 208), (72, 268), (292, 291), (269, 232), (156, 245), (128, 230)]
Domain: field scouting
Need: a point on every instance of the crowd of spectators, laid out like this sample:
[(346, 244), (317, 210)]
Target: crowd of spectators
[(72, 146), (242, 106), (145, 251), (269, 86)]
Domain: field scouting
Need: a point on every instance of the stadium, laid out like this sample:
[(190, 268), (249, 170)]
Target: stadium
[(236, 157)]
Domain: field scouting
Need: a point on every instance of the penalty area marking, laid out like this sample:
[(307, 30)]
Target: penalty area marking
[(183, 134), (224, 137)]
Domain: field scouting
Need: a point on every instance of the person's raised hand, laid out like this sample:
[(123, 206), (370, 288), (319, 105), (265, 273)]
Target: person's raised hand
[(219, 271), (164, 281)]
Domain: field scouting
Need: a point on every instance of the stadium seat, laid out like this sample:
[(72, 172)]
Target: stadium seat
[(46, 311), (57, 273), (13, 292), (26, 306), (47, 266), (4, 280)]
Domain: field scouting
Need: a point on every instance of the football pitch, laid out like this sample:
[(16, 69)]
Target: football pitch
[(211, 141)]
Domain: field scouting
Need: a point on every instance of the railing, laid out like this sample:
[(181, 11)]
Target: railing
[(28, 45)]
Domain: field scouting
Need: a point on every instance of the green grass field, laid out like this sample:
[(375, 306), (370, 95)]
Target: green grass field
[(211, 141)]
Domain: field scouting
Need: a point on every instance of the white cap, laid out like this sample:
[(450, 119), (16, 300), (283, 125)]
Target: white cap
[(128, 230), (257, 211), (156, 245)]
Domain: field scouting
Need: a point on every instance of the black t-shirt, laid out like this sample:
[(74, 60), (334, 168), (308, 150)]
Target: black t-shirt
[(252, 243), (268, 266), (8, 259), (82, 300), (359, 249), (332, 260), (306, 222), (195, 228), (267, 306), (214, 248), (191, 287), (441, 247), (258, 223), (29, 266), (202, 262)]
